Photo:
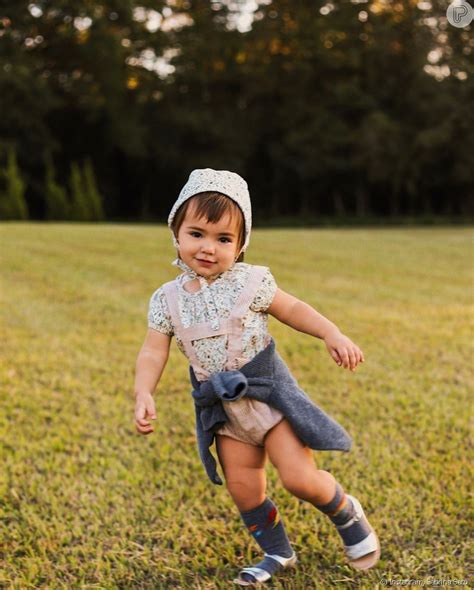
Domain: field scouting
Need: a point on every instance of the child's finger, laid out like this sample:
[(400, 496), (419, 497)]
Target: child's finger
[(143, 426), (352, 359), (335, 356), (360, 354), (142, 430), (140, 412), (344, 357), (150, 408)]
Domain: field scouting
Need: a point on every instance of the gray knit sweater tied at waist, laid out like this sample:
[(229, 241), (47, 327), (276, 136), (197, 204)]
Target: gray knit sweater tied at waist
[(265, 378)]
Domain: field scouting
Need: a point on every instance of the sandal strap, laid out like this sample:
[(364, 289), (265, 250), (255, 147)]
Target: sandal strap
[(262, 575), (358, 514), (284, 561), (367, 545), (259, 574), (350, 522)]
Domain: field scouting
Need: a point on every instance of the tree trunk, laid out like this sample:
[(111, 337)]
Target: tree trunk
[(308, 201), (394, 203), (361, 202), (339, 206)]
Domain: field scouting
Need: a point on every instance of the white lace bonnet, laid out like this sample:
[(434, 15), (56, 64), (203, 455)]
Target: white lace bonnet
[(228, 183)]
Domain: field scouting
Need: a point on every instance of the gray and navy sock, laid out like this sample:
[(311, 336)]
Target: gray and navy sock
[(266, 527), (340, 510)]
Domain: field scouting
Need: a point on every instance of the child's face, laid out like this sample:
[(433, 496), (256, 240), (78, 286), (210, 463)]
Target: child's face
[(208, 248)]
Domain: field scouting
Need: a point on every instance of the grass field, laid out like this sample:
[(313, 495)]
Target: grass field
[(88, 503)]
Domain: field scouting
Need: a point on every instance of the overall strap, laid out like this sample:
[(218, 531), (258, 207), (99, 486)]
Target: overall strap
[(171, 294), (185, 334), (232, 326), (196, 331), (241, 307)]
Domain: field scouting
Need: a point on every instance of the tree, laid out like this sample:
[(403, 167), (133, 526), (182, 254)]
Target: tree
[(12, 200), (80, 210), (92, 193), (56, 199), (324, 107)]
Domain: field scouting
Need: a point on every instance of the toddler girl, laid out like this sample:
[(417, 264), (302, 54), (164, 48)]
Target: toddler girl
[(245, 398)]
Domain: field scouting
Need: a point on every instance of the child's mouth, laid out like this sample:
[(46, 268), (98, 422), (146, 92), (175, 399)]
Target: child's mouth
[(205, 262)]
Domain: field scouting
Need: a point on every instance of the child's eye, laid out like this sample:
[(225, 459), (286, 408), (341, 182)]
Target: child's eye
[(195, 234), (226, 240)]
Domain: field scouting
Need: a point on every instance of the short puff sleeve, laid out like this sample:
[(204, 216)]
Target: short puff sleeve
[(159, 317), (265, 294)]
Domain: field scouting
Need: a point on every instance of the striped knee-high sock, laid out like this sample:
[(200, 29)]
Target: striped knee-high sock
[(340, 510)]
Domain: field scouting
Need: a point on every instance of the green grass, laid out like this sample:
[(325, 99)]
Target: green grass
[(88, 503)]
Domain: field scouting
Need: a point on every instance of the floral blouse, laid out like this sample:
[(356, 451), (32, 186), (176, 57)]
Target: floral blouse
[(223, 292)]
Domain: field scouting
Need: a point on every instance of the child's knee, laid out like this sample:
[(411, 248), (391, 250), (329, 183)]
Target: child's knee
[(297, 483), (304, 482), (246, 493)]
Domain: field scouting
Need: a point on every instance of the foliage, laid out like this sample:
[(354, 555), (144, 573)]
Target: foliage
[(80, 206), (12, 199), (340, 108), (94, 197), (86, 198), (56, 198)]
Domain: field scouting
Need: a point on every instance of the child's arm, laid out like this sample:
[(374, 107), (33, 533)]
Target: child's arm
[(302, 317), (150, 363)]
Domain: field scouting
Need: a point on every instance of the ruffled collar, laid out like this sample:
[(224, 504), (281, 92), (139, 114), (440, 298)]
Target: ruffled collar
[(194, 275), (211, 307)]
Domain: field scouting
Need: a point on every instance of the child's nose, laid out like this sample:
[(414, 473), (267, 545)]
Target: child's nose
[(208, 246)]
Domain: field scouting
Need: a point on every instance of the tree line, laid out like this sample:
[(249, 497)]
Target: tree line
[(81, 201), (344, 108)]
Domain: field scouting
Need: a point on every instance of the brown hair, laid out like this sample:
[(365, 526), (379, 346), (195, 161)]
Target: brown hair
[(212, 206)]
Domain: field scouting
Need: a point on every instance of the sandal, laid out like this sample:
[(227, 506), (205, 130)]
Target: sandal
[(366, 553), (259, 574)]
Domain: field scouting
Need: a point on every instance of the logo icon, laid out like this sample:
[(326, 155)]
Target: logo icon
[(459, 13)]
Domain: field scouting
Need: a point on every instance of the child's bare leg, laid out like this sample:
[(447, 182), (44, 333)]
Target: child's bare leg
[(298, 473), (244, 470), (295, 464)]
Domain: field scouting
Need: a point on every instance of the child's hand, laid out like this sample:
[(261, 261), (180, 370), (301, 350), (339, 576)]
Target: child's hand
[(343, 350), (144, 411)]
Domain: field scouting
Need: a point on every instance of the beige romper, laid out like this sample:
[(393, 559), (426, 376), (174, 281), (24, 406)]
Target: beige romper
[(248, 420)]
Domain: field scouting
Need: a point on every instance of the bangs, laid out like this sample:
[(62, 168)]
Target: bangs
[(212, 206)]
